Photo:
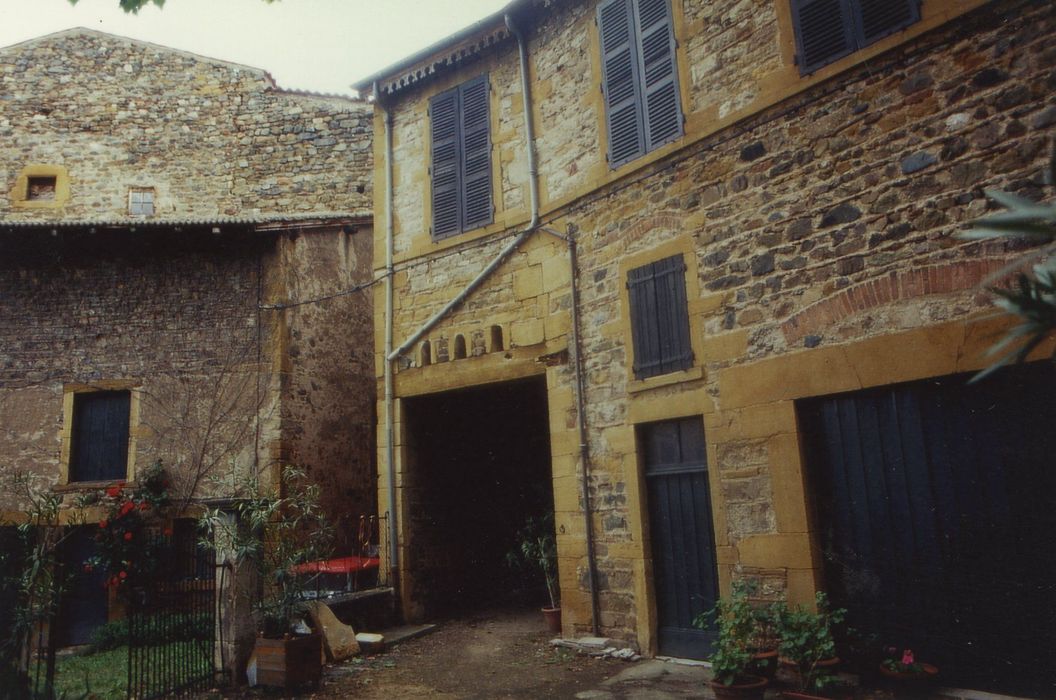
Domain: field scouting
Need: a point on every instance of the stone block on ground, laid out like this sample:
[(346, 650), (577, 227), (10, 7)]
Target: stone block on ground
[(339, 640)]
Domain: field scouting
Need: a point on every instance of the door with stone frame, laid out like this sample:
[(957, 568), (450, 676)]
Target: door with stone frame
[(674, 459)]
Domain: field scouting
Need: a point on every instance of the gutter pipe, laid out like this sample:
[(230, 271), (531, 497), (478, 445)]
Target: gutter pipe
[(533, 197), (584, 444), (390, 436)]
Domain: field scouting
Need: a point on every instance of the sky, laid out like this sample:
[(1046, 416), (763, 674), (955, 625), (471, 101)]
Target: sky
[(317, 45)]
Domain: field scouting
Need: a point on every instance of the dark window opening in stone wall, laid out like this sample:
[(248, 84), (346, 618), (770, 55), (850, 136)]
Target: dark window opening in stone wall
[(659, 317), (41, 188), (99, 436), (141, 201)]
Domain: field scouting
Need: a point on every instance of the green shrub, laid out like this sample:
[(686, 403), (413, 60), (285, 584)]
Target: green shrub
[(162, 629)]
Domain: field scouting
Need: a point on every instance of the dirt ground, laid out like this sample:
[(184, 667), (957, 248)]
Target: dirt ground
[(503, 654)]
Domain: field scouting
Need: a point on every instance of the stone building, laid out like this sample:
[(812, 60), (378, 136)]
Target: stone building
[(185, 267), (702, 298)]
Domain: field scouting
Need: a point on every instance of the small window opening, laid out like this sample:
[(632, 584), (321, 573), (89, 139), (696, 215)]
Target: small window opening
[(41, 188), (141, 201), (460, 347), (425, 354), (496, 339)]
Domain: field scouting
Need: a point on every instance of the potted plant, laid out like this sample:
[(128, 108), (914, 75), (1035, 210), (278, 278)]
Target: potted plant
[(537, 548), (732, 662), (808, 649), (275, 534), (905, 674)]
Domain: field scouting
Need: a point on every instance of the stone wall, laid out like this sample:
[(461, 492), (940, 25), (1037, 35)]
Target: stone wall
[(214, 139), (179, 319), (816, 215)]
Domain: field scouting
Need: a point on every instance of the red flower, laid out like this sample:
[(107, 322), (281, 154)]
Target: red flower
[(128, 507), (123, 575), (144, 505), (87, 568), (128, 536), (103, 523), (907, 657), (167, 532), (114, 491)]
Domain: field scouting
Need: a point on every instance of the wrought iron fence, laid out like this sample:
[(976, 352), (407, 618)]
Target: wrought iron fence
[(173, 625)]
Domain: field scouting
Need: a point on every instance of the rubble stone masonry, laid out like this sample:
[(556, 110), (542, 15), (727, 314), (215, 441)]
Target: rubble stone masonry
[(816, 215), (229, 312)]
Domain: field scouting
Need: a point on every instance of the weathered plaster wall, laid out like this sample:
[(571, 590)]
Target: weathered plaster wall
[(816, 214), (213, 138)]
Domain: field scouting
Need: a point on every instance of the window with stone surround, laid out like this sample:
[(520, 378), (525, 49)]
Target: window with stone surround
[(40, 188), (141, 201), (461, 158), (828, 30), (99, 436), (643, 110), (659, 317)]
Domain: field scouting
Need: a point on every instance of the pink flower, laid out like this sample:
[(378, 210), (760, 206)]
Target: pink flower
[(907, 657)]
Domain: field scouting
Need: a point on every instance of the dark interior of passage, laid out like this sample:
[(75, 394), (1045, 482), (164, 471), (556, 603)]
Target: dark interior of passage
[(936, 507), (478, 468)]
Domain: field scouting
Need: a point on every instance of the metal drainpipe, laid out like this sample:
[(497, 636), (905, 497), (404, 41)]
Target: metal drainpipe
[(581, 414), (533, 171), (390, 437), (533, 201)]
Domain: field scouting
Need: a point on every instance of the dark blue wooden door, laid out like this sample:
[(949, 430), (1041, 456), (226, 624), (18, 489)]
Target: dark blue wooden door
[(936, 505), (681, 533), (84, 602)]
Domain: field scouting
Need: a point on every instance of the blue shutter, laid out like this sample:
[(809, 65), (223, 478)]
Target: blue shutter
[(641, 292), (476, 153), (876, 19), (99, 443), (824, 32), (672, 317), (447, 156), (659, 74), (626, 130)]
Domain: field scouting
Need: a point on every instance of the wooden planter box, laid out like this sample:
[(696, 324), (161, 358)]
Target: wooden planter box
[(289, 663)]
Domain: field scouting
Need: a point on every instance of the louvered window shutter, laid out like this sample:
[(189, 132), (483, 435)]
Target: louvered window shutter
[(626, 130), (476, 154), (659, 317), (659, 75), (878, 18), (824, 32), (446, 160)]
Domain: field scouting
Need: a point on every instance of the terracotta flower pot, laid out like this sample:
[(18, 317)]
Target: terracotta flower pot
[(765, 663), (749, 688), (553, 619)]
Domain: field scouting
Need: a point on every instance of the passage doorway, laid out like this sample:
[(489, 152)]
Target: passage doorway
[(478, 468), (681, 533), (936, 506)]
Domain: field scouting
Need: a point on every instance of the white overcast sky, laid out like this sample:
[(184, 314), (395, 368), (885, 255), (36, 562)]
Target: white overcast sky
[(319, 45)]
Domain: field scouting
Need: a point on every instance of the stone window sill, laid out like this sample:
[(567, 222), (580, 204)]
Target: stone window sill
[(687, 375)]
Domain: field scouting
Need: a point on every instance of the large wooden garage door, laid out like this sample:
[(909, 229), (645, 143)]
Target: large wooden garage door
[(936, 505)]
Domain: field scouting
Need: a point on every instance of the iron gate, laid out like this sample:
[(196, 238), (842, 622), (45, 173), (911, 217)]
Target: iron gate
[(173, 624)]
